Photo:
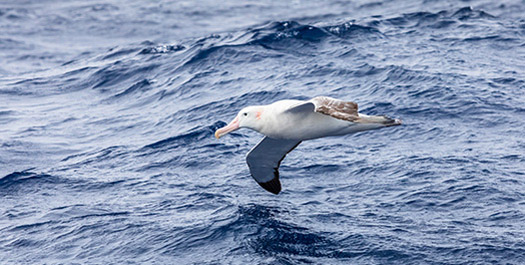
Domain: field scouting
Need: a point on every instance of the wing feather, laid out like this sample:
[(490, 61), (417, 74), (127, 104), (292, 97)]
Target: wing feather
[(264, 161), (302, 107), (343, 110)]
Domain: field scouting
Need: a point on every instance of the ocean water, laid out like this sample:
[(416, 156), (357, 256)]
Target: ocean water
[(108, 109)]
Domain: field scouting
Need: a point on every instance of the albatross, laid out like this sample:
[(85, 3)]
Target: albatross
[(286, 123)]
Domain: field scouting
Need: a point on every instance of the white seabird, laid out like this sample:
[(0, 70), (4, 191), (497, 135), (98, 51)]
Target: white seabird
[(286, 123)]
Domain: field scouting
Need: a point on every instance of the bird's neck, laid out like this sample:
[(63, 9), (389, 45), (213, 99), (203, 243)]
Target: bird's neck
[(267, 120)]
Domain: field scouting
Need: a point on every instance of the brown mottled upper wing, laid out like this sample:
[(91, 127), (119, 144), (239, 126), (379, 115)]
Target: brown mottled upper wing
[(344, 110)]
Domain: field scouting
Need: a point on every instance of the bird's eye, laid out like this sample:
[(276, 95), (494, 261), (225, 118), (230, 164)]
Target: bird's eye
[(245, 114)]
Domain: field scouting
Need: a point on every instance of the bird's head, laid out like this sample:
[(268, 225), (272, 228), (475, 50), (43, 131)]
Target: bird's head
[(249, 117)]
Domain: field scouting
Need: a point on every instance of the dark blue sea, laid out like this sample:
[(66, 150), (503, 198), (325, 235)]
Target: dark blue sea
[(108, 109)]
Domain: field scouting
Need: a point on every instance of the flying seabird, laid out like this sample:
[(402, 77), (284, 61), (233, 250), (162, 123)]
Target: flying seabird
[(286, 123)]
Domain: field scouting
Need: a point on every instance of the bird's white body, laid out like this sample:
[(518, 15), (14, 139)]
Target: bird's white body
[(278, 123)]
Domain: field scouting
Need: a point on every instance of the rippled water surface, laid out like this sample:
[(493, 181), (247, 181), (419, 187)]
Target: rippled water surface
[(108, 108)]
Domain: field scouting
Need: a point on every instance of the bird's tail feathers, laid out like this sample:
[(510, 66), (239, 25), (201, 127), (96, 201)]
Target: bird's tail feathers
[(384, 120)]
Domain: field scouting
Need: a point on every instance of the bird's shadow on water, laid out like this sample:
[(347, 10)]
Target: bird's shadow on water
[(274, 234)]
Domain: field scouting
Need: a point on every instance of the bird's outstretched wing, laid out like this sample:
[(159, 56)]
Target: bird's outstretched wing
[(343, 110), (264, 160)]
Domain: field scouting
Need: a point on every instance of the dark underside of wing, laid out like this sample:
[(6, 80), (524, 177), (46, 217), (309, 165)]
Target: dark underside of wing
[(264, 161), (274, 185)]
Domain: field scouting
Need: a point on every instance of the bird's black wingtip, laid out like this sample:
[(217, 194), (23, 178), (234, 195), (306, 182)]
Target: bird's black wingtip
[(273, 186)]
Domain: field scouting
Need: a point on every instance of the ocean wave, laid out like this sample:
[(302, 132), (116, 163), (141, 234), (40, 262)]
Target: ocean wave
[(26, 181)]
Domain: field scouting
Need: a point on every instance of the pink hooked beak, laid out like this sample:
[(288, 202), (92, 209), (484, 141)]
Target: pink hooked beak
[(232, 126)]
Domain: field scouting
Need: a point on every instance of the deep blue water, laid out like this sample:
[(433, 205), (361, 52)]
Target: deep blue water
[(107, 114)]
